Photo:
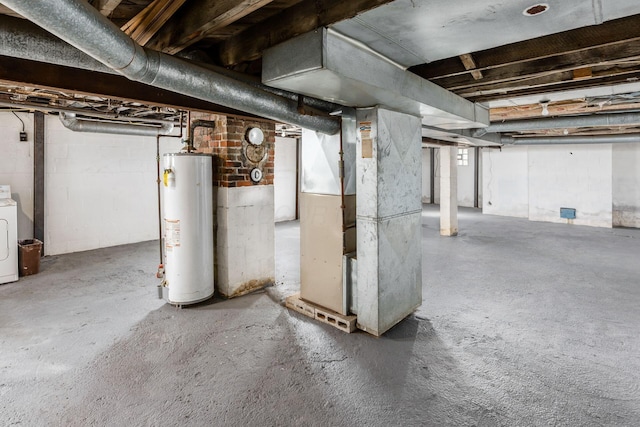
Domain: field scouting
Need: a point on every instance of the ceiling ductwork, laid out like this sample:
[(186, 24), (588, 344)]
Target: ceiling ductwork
[(594, 120), (330, 66), (82, 26), (71, 122), (559, 140)]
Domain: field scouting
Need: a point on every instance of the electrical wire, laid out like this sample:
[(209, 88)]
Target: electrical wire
[(14, 113)]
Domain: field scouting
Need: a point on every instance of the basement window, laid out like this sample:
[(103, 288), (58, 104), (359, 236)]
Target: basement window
[(463, 157)]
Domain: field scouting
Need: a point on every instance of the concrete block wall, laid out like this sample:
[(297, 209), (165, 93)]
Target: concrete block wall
[(100, 190)]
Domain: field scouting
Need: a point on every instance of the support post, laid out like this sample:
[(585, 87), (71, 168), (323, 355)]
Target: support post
[(432, 178), (38, 178), (448, 191)]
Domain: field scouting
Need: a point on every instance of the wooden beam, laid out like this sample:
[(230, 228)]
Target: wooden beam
[(603, 56), (610, 32), (469, 64), (146, 24), (582, 73), (40, 74), (299, 19), (562, 108), (196, 22), (553, 84)]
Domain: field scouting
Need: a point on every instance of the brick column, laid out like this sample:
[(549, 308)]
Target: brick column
[(244, 223)]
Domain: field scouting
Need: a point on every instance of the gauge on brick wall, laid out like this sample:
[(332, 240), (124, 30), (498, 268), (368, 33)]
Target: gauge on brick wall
[(256, 175), (255, 136)]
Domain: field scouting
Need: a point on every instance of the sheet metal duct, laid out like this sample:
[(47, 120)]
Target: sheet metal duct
[(70, 121), (81, 25), (328, 65), (559, 140), (22, 39), (593, 120), (24, 105)]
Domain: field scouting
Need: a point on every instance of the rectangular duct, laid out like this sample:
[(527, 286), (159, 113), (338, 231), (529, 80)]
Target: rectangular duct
[(328, 65)]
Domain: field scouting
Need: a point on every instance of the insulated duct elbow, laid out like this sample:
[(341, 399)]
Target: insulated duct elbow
[(71, 122), (81, 25)]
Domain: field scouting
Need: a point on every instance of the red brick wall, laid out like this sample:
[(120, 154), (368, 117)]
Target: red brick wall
[(234, 157)]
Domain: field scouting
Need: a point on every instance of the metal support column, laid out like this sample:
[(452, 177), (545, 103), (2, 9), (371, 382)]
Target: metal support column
[(38, 177)]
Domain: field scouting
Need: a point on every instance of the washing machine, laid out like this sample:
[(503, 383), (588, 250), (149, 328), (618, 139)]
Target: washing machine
[(8, 236)]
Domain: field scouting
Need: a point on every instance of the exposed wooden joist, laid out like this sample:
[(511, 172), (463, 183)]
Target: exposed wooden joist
[(554, 82), (69, 79), (563, 108), (469, 64), (146, 24), (610, 32), (202, 18), (299, 19), (603, 56)]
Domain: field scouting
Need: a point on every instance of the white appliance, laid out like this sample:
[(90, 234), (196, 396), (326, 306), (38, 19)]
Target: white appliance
[(8, 236), (188, 223)]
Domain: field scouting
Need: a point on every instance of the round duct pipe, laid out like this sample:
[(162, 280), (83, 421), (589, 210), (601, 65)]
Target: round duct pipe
[(71, 122), (559, 140), (81, 25)]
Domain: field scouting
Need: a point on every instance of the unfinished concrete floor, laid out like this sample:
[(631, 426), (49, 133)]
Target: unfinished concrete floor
[(522, 324)]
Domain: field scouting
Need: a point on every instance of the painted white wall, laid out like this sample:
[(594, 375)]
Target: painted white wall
[(466, 181), (626, 185), (505, 182), (100, 190), (285, 179), (16, 167), (426, 175), (578, 177), (535, 182)]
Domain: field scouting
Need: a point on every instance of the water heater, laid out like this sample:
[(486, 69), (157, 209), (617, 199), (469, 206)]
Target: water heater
[(188, 227)]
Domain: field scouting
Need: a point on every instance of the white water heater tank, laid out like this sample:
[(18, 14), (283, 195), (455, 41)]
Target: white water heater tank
[(188, 227)]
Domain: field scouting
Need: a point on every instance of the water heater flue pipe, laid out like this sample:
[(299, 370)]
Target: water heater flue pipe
[(70, 121), (198, 124), (81, 25)]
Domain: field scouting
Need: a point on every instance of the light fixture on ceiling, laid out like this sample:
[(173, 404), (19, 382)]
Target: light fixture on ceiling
[(536, 9), (545, 108)]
